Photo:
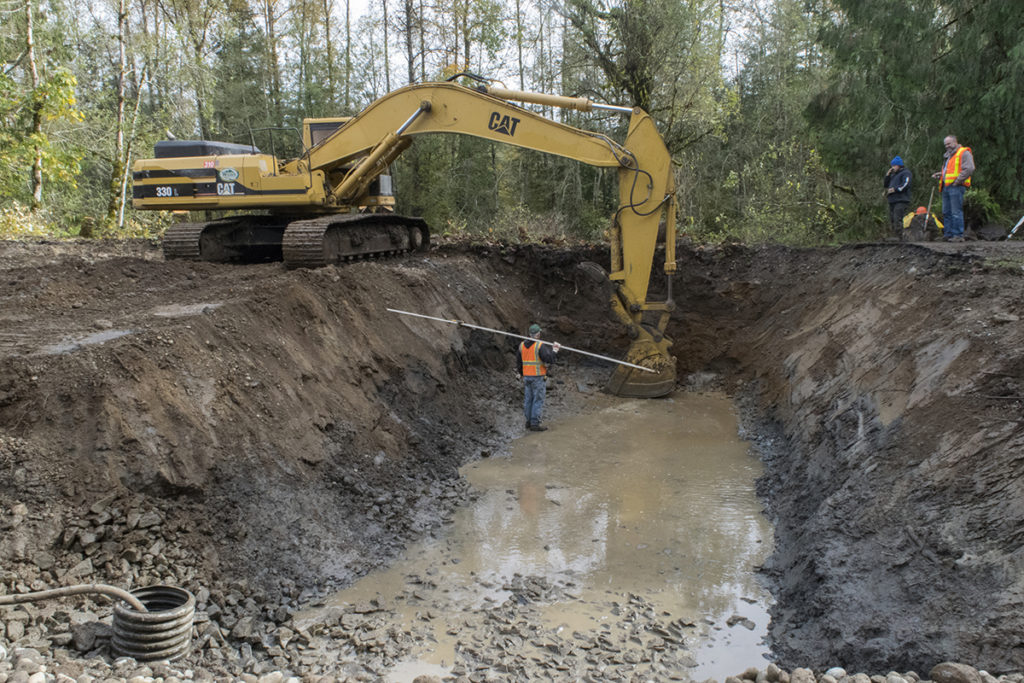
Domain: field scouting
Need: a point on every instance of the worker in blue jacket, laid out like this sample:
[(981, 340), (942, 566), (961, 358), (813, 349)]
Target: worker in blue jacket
[(897, 191)]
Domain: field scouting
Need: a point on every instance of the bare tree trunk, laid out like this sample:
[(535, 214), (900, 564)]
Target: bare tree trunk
[(466, 43), (128, 151), (204, 125), (456, 33), (151, 60), (37, 110), (274, 66), (387, 58), (303, 41), (118, 162), (348, 55), (410, 55), (519, 43), (423, 44), (328, 8), (520, 171)]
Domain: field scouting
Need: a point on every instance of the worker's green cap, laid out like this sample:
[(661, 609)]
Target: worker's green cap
[(535, 329)]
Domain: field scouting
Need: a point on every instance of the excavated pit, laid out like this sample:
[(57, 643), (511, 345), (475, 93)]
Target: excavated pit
[(262, 437)]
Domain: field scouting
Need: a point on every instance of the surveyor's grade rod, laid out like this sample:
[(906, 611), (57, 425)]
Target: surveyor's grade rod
[(1015, 227), (519, 336)]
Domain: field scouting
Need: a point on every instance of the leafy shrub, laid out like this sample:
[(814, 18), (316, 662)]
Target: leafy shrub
[(980, 208), (17, 221)]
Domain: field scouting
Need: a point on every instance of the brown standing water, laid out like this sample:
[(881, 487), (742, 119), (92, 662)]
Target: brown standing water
[(647, 498)]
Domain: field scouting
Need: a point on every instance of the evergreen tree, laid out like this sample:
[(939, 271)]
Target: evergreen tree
[(905, 75)]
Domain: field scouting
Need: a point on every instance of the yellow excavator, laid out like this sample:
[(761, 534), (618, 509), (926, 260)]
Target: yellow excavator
[(334, 202)]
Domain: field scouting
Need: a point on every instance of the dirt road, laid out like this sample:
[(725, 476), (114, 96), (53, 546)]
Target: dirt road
[(259, 436)]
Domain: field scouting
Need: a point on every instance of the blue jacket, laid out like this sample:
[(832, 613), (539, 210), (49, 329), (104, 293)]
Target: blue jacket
[(900, 183)]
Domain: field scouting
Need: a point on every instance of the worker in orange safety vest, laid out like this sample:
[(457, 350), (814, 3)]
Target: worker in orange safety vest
[(954, 179), (534, 358)]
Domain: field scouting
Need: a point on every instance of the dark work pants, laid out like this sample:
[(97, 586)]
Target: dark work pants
[(897, 210)]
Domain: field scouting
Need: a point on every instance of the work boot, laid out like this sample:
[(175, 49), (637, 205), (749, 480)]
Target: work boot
[(538, 427)]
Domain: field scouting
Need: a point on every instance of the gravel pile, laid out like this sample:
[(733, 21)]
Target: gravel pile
[(255, 634), (946, 672), (243, 635), (242, 630)]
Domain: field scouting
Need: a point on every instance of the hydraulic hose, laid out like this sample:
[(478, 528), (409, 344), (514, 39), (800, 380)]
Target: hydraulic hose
[(109, 591)]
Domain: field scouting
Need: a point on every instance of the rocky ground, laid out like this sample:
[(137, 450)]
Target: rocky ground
[(260, 436)]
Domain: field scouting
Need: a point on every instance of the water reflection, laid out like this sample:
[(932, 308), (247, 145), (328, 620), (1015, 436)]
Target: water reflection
[(654, 498)]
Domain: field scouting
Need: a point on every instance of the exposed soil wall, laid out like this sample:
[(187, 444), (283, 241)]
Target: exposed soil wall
[(296, 421), (895, 373)]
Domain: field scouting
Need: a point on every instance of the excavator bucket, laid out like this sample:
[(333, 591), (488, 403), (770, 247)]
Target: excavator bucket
[(633, 383)]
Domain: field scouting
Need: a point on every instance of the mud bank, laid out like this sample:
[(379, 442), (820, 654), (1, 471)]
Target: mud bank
[(280, 433), (254, 435), (308, 433), (895, 376)]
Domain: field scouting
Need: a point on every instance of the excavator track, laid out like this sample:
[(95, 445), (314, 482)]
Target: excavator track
[(181, 241), (335, 239), (233, 239)]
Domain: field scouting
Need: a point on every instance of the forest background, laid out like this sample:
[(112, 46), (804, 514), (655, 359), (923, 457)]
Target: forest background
[(781, 115)]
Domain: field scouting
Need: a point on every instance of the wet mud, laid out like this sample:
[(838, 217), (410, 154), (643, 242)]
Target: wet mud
[(662, 513)]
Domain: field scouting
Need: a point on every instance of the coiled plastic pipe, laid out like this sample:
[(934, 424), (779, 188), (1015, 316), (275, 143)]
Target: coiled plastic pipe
[(162, 630), (150, 623)]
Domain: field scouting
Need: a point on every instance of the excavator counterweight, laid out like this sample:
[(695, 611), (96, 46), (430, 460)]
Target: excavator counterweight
[(334, 202)]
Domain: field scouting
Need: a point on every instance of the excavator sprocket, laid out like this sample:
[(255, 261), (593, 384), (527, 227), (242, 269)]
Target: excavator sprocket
[(334, 239), (233, 239)]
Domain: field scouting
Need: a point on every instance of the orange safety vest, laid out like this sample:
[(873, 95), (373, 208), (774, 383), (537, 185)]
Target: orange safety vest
[(533, 366), (952, 168)]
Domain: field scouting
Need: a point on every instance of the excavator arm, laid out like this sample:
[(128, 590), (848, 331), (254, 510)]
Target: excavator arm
[(361, 150), (325, 206)]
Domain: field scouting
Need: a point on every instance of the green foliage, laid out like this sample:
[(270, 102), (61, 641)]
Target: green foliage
[(979, 207), (903, 76), (237, 106), (18, 221), (518, 224), (54, 100), (770, 204), (661, 55), (788, 144), (762, 179)]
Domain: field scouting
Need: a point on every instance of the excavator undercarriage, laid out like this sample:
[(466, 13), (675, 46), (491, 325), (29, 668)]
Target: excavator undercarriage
[(299, 243)]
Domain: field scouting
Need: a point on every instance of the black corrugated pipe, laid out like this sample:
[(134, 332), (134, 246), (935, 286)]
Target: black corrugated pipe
[(163, 631)]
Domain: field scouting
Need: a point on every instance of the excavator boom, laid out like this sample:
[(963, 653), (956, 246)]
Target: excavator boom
[(327, 205)]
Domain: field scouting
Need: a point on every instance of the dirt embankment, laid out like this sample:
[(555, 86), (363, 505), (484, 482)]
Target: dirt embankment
[(308, 432), (282, 431), (896, 374)]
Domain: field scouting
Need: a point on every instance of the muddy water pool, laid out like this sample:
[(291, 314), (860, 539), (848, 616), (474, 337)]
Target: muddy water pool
[(644, 500)]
